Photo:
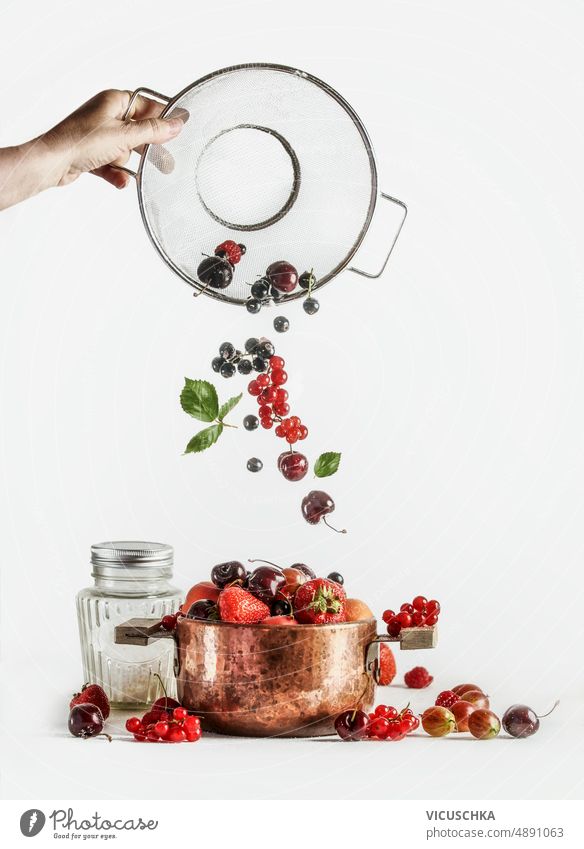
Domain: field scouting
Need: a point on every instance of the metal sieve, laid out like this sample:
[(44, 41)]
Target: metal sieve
[(271, 157)]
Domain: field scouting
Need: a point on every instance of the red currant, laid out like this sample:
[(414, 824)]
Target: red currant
[(432, 619), (408, 608), (281, 395), (419, 602), (192, 722), (387, 615), (279, 376), (268, 395), (404, 619), (180, 713), (291, 438), (303, 432), (295, 421), (176, 734), (277, 362), (133, 724), (169, 622), (393, 627), (193, 734), (161, 728), (267, 423), (281, 409), (254, 388), (263, 380), (433, 606), (396, 731), (265, 411), (379, 727), (280, 431)]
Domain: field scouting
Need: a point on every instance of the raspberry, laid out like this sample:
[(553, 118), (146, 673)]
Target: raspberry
[(446, 699), (387, 668), (418, 678), (232, 249)]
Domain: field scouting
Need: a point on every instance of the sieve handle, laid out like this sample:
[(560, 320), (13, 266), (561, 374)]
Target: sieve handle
[(401, 224), (136, 93)]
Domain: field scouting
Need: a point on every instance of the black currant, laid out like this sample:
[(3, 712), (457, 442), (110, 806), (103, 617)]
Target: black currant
[(266, 349), (259, 290), (215, 272), (253, 306), (307, 279), (227, 370), (254, 465), (227, 350), (251, 345), (275, 294), (216, 363), (281, 324), (244, 366), (251, 422), (259, 364), (242, 248), (311, 306), (336, 577)]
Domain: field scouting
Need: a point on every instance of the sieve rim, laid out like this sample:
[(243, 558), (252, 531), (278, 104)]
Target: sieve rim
[(220, 295)]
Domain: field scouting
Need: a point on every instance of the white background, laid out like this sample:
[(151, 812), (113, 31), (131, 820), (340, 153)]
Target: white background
[(453, 387)]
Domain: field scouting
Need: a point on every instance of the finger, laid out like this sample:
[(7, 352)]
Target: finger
[(112, 175), (151, 131)]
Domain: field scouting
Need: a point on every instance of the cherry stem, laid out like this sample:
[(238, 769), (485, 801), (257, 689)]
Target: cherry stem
[(543, 715), (336, 530), (156, 675), (259, 560)]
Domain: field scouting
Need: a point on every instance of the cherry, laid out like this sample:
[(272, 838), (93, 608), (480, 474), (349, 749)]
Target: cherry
[(281, 607), (215, 272), (293, 465), (351, 725), (203, 608), (282, 276), (310, 573), (86, 720), (226, 573), (164, 703), (266, 582), (316, 506), (521, 721)]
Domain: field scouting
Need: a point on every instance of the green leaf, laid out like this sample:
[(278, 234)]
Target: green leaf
[(327, 464), (229, 405), (204, 439), (199, 400)]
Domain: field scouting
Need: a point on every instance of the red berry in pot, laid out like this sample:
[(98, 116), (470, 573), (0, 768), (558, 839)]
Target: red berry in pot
[(351, 725), (266, 582), (310, 573), (319, 602)]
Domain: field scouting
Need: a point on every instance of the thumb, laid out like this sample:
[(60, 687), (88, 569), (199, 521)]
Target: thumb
[(153, 130)]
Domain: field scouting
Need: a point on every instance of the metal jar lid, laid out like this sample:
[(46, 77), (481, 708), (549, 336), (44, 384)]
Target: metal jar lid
[(132, 559)]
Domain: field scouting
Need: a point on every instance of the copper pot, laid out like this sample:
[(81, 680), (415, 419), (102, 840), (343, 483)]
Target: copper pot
[(265, 681)]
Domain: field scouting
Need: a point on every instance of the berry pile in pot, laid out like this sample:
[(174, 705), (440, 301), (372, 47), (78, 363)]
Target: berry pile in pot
[(271, 595)]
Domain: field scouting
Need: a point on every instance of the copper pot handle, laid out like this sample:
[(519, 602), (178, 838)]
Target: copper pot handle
[(140, 632), (408, 639)]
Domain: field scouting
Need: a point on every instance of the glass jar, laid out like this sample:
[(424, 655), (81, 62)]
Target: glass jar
[(131, 580)]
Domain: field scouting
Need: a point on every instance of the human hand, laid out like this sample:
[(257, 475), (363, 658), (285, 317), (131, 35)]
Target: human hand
[(95, 138)]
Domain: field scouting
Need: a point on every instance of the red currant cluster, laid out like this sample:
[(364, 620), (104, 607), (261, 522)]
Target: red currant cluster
[(420, 612), (273, 402), (387, 723), (169, 621), (160, 725)]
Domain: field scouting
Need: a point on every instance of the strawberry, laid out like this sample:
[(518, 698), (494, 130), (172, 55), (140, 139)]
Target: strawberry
[(387, 668), (92, 694), (319, 602), (278, 621), (237, 605)]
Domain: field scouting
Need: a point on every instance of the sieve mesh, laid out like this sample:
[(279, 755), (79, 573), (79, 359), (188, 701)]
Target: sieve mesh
[(270, 157)]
